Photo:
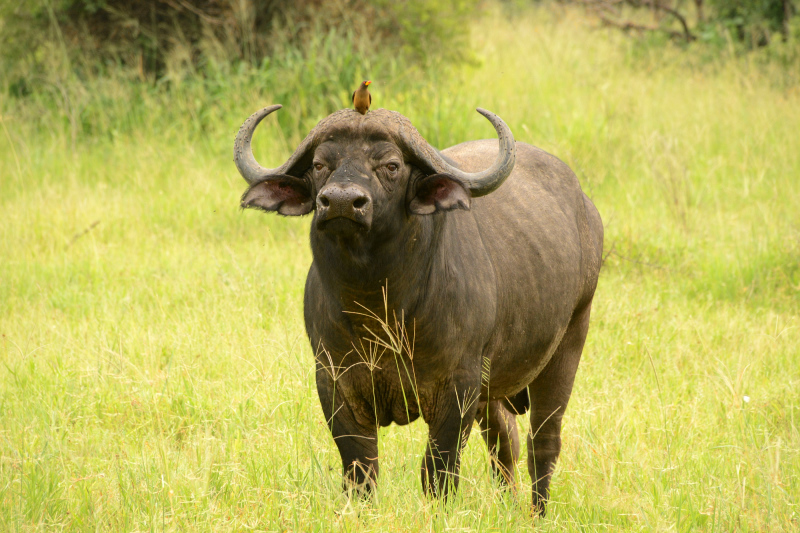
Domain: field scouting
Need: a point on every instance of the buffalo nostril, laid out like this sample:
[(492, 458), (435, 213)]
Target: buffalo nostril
[(324, 201), (360, 202)]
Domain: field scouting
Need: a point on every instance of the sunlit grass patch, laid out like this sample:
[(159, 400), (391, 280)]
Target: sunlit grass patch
[(155, 369)]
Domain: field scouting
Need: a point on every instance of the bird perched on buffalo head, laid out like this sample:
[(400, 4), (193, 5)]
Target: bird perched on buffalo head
[(361, 98)]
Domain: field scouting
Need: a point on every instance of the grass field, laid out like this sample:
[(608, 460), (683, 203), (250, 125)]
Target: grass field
[(155, 371)]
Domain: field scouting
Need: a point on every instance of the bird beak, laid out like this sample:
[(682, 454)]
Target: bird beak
[(367, 83)]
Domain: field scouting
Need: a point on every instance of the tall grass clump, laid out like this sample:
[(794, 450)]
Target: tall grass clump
[(155, 371)]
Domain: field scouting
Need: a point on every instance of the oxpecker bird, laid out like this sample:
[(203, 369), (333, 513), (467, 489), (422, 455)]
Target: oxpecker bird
[(361, 98)]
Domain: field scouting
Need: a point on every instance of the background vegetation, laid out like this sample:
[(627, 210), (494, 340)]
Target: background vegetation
[(753, 23), (155, 372)]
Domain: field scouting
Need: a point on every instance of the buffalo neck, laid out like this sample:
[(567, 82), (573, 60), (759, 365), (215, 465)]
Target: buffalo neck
[(399, 264)]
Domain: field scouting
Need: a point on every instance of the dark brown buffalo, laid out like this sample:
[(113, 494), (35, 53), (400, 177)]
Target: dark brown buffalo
[(437, 288)]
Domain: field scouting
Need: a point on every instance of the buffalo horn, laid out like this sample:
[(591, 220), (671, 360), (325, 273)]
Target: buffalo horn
[(248, 167), (479, 183)]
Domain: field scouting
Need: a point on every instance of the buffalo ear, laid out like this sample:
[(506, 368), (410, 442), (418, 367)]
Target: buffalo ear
[(285, 194), (439, 192)]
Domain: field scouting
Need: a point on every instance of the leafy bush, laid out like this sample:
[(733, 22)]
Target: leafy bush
[(750, 22), (754, 22)]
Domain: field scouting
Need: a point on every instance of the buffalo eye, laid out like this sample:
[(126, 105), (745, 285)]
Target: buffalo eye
[(392, 167), (318, 167)]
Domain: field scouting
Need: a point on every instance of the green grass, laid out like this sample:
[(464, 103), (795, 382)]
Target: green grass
[(155, 370)]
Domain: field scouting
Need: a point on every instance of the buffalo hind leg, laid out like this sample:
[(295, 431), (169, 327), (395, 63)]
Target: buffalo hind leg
[(449, 422), (499, 431), (549, 395)]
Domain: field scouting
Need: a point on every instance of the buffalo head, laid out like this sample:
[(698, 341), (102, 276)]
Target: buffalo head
[(354, 170)]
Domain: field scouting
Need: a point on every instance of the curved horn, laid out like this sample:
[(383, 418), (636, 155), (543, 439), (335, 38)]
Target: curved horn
[(479, 183), (484, 182), (248, 167)]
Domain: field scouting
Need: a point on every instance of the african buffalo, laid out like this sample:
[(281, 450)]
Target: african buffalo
[(438, 287)]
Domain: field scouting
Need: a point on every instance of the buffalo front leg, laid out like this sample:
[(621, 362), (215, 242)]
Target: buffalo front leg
[(549, 395), (449, 416), (499, 430), (354, 432)]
